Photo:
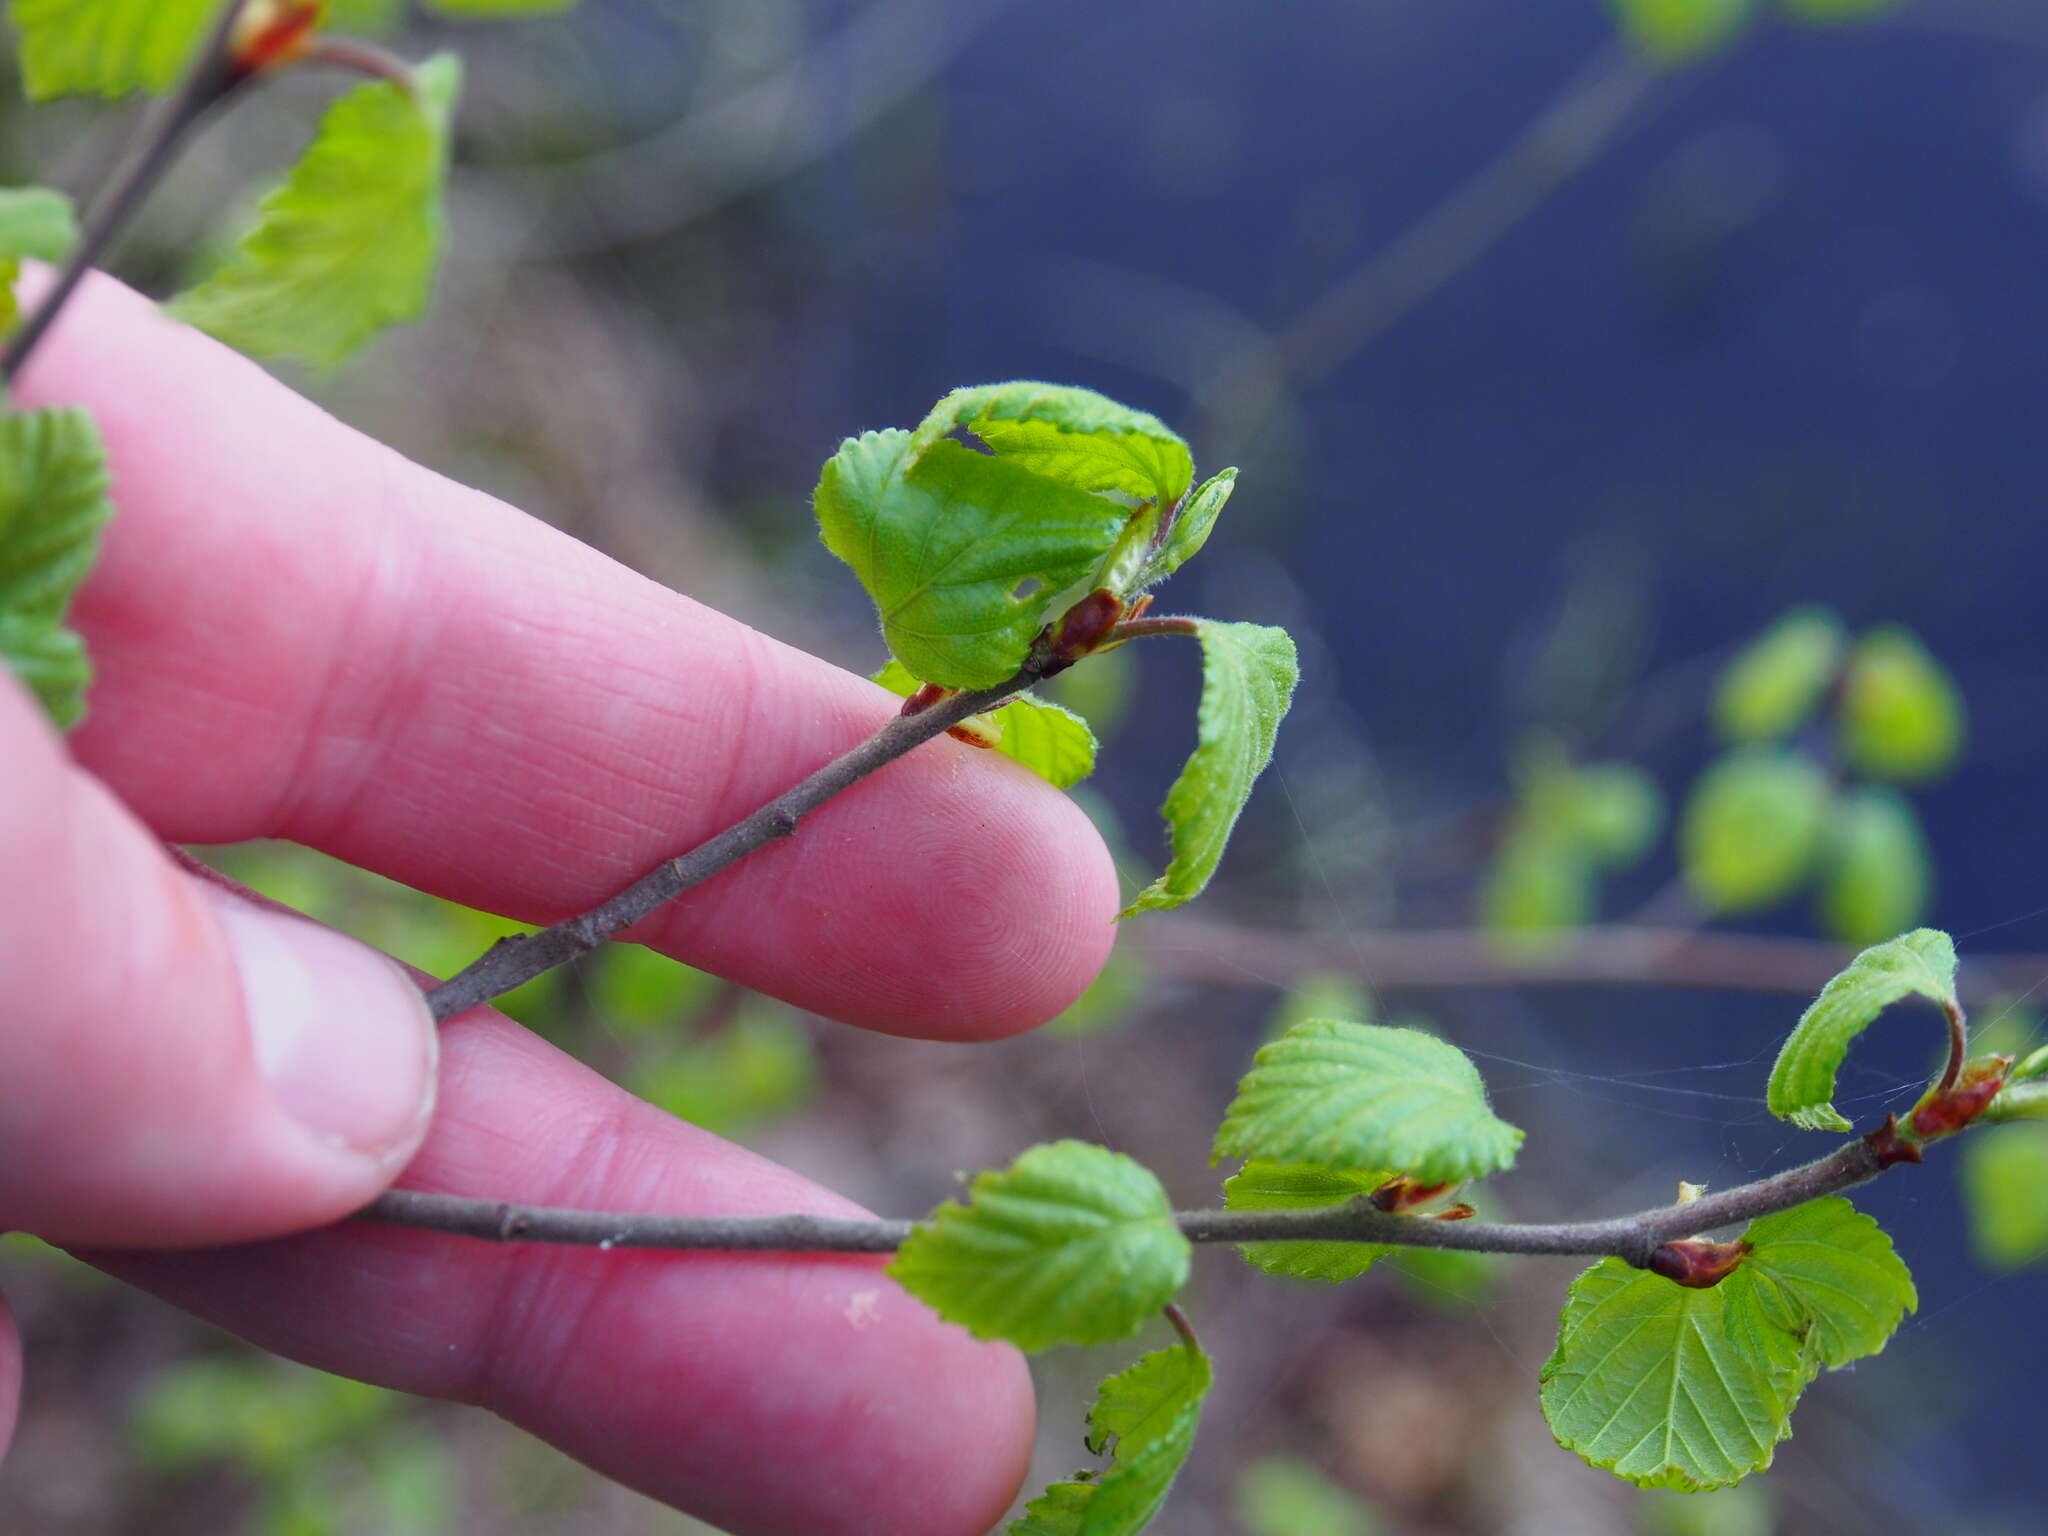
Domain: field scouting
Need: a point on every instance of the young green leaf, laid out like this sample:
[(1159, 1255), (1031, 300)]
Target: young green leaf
[(1877, 868), (1679, 31), (1771, 688), (1752, 827), (1675, 1387), (53, 503), (107, 47), (34, 222), (1248, 676), (1902, 715), (1147, 1415), (961, 552), (1071, 436), (1539, 889), (2005, 1195), (1364, 1096), (1802, 1085), (1191, 529), (1053, 742), (1072, 1244), (1267, 1186), (1614, 811), (349, 243)]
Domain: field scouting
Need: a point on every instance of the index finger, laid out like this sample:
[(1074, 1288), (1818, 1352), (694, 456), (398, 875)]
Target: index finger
[(300, 634)]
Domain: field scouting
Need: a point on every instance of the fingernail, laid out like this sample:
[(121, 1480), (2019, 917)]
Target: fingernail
[(342, 1034)]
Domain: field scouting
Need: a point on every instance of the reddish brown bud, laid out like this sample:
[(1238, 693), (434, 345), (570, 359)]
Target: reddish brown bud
[(273, 32), (1086, 625), (1946, 1111), (1459, 1212), (1892, 1148), (1402, 1194), (926, 696), (1695, 1262)]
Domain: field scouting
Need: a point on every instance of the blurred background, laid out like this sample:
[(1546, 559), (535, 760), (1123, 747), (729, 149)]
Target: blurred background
[(1566, 349)]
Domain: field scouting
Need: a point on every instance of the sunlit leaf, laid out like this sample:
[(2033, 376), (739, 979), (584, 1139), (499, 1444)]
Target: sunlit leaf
[(1072, 1244), (1902, 715), (1675, 1387), (1752, 828), (1365, 1096), (2005, 1194), (53, 504), (1072, 436), (1248, 677), (348, 245), (107, 47), (1921, 963), (1266, 1186), (1146, 1416), (1877, 868), (37, 223), (1772, 687)]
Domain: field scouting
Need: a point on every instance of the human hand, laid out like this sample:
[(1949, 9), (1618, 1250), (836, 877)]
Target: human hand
[(300, 635)]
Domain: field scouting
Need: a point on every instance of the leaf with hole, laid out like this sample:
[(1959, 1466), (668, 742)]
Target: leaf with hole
[(1921, 963), (1146, 1416), (348, 245), (1365, 1096), (53, 504), (1248, 677), (1072, 1244)]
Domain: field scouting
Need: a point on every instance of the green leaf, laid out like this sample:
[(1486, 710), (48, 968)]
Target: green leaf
[(34, 222), (1148, 1415), (1364, 1096), (1191, 529), (1746, 1510), (1073, 1244), (1772, 687), (499, 7), (1902, 715), (1054, 743), (1877, 868), (1679, 31), (1248, 676), (2005, 1195), (1267, 1186), (349, 243), (107, 47), (1072, 436), (1538, 891), (53, 503), (1832, 12), (1674, 1387), (1614, 812), (1802, 1086), (961, 552), (1290, 1496), (1752, 828)]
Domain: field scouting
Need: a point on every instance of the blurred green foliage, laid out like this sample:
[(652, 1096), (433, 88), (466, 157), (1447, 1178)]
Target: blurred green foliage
[(1290, 1496)]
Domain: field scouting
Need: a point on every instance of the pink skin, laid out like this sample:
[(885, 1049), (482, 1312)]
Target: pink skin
[(301, 635)]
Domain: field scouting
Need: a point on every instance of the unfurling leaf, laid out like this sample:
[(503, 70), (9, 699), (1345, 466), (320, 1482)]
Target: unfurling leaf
[(349, 243), (1674, 1387), (1364, 1096), (1877, 866), (1266, 1186), (34, 223), (1902, 715), (1770, 689), (1802, 1087), (53, 503), (1054, 743), (1752, 828), (107, 47), (1191, 529), (1678, 31), (1146, 1416), (1072, 1244), (1248, 677)]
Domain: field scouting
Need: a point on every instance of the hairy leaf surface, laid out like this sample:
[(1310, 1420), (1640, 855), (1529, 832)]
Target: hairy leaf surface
[(1191, 529), (1147, 1415), (1921, 963), (1072, 1244), (1364, 1096), (107, 47), (1248, 677), (1268, 1186), (53, 503), (348, 245)]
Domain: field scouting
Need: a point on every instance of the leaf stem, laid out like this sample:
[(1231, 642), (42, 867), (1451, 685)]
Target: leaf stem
[(213, 78), (1138, 629), (515, 961), (1958, 1045), (1183, 1327), (1634, 1239)]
